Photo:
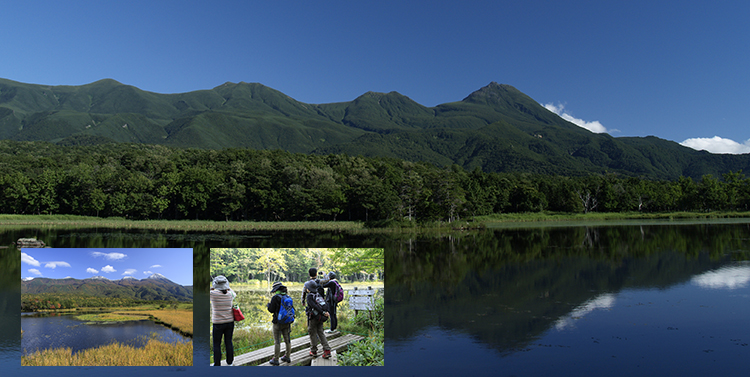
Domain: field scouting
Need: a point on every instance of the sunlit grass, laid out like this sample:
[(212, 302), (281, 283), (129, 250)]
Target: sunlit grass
[(198, 225), (154, 353), (110, 317), (179, 319)]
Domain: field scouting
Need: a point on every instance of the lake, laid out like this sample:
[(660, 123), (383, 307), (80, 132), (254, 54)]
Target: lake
[(46, 332), (620, 298)]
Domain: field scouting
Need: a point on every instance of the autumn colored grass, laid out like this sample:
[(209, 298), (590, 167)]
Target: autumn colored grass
[(110, 317), (178, 319), (154, 353)]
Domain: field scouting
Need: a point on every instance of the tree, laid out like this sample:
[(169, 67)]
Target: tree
[(362, 262)]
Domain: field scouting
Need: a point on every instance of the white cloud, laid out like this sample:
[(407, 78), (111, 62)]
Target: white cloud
[(108, 269), (718, 144), (35, 271), (28, 259), (605, 301), (130, 271), (149, 273), (91, 271), (27, 279), (594, 126), (155, 266), (54, 265), (109, 256), (733, 277)]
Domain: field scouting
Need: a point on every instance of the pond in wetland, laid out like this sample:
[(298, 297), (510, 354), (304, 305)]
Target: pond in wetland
[(618, 299), (55, 331)]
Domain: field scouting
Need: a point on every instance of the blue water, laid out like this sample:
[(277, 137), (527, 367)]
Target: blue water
[(66, 331), (697, 328)]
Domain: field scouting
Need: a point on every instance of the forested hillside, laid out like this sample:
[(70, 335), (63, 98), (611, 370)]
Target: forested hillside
[(156, 182), (134, 289), (496, 128)]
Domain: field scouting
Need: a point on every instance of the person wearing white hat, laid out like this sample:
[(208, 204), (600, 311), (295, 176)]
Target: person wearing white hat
[(222, 318)]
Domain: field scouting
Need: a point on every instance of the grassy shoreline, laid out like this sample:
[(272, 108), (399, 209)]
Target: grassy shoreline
[(154, 353), (478, 222)]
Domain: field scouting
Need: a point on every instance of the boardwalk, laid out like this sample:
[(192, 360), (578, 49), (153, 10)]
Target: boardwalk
[(300, 350)]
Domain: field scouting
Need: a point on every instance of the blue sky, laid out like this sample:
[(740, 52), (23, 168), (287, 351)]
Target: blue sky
[(675, 70), (114, 264)]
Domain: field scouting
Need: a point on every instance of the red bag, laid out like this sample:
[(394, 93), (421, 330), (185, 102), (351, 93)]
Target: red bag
[(237, 313)]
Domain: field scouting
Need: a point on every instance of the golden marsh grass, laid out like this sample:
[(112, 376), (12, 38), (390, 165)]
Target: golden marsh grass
[(154, 353), (179, 319)]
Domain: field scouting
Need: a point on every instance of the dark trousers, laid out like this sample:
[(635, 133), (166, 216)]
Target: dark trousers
[(315, 329), (332, 312), (279, 331), (226, 330)]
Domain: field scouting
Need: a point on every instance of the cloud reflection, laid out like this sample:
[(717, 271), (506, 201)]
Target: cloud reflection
[(604, 301), (731, 277)]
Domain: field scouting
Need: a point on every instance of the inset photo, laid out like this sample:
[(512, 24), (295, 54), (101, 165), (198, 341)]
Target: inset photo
[(297, 306), (106, 307)]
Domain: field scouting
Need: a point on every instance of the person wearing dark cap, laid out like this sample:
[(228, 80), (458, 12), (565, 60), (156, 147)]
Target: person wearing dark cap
[(332, 289), (222, 318), (280, 301), (317, 313)]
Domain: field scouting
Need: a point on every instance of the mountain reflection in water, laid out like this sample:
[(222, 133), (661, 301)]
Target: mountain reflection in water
[(537, 300)]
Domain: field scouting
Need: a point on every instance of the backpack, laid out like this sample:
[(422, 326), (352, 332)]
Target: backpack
[(286, 310), (339, 291), (322, 302)]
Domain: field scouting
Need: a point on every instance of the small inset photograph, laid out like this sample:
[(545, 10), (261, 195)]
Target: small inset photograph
[(297, 306), (106, 307)]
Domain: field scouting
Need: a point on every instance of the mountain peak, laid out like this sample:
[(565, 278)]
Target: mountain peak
[(98, 278), (158, 277)]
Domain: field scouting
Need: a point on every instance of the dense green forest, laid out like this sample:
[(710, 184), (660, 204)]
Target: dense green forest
[(54, 301), (292, 264), (140, 181)]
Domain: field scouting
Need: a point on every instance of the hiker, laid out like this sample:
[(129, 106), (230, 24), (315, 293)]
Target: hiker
[(317, 313), (222, 318), (282, 308), (334, 295), (313, 273)]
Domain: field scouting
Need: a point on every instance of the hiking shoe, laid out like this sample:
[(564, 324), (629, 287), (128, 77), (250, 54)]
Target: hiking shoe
[(314, 353), (286, 359), (274, 362), (326, 354)]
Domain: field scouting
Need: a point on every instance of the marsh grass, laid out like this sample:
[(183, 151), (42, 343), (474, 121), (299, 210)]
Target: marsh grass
[(195, 225), (154, 353), (178, 319), (110, 317)]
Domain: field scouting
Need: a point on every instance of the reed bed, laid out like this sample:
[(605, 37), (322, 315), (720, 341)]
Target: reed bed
[(195, 225), (179, 319), (111, 317), (154, 353)]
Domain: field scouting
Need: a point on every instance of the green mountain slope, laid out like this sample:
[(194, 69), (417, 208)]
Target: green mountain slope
[(144, 289), (496, 128)]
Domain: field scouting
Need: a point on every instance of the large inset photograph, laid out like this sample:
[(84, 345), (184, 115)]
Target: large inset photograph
[(106, 307), (297, 306)]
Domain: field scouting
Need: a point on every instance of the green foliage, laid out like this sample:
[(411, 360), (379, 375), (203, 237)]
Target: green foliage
[(371, 350), (137, 181), (497, 129)]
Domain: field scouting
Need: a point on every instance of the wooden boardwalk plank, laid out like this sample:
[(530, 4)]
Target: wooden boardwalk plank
[(321, 362), (302, 357), (300, 350)]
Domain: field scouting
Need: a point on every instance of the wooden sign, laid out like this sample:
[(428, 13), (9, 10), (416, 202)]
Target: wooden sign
[(361, 299)]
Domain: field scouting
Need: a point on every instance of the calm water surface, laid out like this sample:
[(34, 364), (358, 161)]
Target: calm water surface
[(625, 299), (66, 331)]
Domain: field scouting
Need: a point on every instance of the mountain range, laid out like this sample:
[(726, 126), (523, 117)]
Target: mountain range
[(153, 288), (496, 128)]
